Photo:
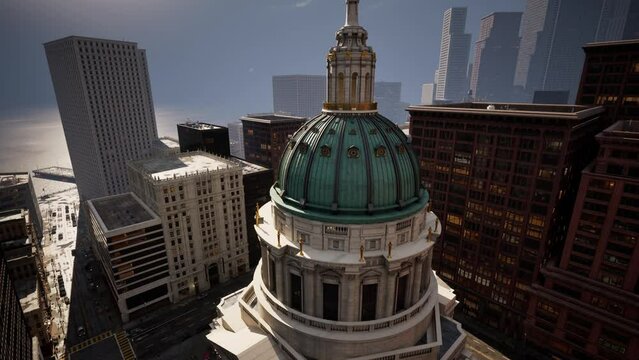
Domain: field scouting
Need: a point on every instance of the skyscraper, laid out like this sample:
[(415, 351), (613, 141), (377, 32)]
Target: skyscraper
[(298, 95), (496, 57), (236, 139), (553, 33), (104, 98), (452, 82), (505, 176), (346, 239), (388, 97), (587, 306), (610, 78), (15, 341)]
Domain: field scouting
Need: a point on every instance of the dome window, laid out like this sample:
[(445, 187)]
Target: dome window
[(353, 152), (352, 132), (380, 151), (303, 148), (331, 131), (401, 148), (372, 131), (325, 151)]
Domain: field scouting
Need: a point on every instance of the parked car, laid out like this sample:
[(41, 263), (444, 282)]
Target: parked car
[(81, 331)]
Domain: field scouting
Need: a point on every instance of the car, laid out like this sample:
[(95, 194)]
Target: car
[(81, 331)]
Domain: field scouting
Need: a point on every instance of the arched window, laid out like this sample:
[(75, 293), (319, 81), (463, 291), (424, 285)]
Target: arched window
[(341, 97), (367, 88), (353, 99)]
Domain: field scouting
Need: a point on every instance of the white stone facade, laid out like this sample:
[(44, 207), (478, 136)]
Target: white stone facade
[(202, 210), (104, 97)]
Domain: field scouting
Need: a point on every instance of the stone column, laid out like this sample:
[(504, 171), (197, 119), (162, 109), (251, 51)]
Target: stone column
[(352, 298), (279, 279), (390, 293), (309, 289), (417, 280), (265, 267), (382, 298)]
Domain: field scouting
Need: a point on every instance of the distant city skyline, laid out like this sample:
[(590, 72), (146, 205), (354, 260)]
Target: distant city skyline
[(199, 68)]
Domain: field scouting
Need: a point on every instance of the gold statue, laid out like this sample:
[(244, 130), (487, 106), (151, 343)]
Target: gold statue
[(430, 235), (436, 223), (257, 214), (301, 242), (390, 250), (278, 239), (361, 253)]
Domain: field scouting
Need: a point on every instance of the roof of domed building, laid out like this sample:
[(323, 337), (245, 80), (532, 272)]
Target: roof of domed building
[(349, 167)]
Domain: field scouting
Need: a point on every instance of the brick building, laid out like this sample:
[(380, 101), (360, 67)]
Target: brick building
[(504, 178)]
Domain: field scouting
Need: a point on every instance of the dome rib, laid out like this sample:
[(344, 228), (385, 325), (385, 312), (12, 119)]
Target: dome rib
[(369, 166), (398, 182), (340, 148), (309, 165)]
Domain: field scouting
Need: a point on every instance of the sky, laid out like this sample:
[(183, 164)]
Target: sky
[(209, 60)]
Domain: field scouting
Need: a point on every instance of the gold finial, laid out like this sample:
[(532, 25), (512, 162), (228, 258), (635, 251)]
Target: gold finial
[(361, 253), (257, 214), (278, 239), (428, 207), (430, 234), (436, 223), (301, 242), (390, 250)]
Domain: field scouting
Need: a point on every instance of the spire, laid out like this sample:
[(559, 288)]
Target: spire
[(351, 13), (351, 67)]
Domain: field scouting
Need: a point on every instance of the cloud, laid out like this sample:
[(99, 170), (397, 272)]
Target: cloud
[(303, 3)]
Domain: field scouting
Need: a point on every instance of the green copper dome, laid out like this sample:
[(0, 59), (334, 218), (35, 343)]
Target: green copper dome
[(349, 167)]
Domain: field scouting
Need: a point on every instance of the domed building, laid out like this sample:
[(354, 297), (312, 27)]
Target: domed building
[(346, 240)]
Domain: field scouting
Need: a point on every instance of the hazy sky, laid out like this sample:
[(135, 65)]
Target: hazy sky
[(211, 60)]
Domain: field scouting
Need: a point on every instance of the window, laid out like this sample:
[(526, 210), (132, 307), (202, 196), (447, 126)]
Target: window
[(296, 292), (369, 301), (330, 301), (336, 244), (373, 244), (400, 297)]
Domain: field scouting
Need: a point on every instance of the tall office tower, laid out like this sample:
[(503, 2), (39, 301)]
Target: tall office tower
[(452, 82), (104, 99), (505, 175), (346, 239), (17, 192), (15, 341), (631, 28), (129, 241), (236, 139), (496, 57), (213, 139), (553, 33), (587, 306), (388, 97), (200, 199), (610, 78), (266, 136), (298, 95), (428, 94)]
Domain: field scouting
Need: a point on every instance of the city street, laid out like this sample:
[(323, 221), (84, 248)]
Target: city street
[(179, 322)]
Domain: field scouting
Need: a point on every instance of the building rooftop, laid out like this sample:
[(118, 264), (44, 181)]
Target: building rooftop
[(249, 167), (200, 125), (12, 179), (120, 211), (169, 142), (183, 164), (272, 118), (515, 109), (13, 214), (86, 38), (612, 43)]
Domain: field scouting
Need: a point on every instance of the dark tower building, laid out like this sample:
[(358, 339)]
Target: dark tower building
[(504, 176), (496, 57), (587, 306), (610, 78), (15, 341), (266, 136), (213, 139)]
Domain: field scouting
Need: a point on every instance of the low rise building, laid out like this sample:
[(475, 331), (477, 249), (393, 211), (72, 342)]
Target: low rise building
[(129, 241), (202, 136), (17, 192)]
